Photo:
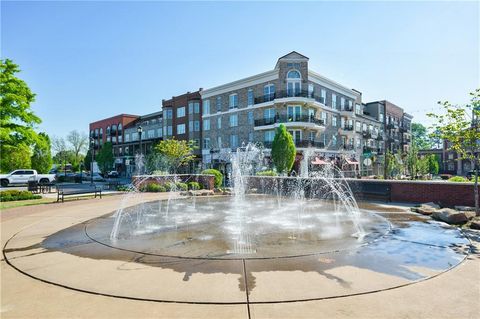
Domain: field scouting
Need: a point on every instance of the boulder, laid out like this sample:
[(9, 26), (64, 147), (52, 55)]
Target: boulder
[(465, 208), (426, 208), (475, 224), (452, 216), (204, 192)]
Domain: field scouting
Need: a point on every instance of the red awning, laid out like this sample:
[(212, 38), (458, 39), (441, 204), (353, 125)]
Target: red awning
[(352, 162), (318, 161)]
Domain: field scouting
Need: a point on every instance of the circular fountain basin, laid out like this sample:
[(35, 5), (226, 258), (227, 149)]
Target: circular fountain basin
[(222, 228), (218, 251)]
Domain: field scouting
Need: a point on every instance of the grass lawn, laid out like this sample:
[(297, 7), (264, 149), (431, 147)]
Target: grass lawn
[(28, 202)]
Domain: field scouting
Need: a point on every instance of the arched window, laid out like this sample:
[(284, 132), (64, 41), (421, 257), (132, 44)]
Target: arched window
[(119, 128), (294, 83), (108, 130), (101, 132)]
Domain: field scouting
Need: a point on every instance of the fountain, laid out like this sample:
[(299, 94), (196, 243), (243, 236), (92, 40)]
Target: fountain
[(283, 221)]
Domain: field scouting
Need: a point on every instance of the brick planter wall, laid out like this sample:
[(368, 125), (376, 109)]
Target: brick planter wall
[(446, 193), (206, 181)]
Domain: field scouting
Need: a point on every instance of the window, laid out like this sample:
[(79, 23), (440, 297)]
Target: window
[(233, 120), (310, 90), (190, 126), (269, 136), (134, 136), (342, 103), (219, 122), (127, 137), (334, 140), (380, 117), (364, 127), (190, 107), (311, 136), (159, 132), (233, 141), (101, 132), (350, 104), (219, 103), (206, 125), (268, 92), (151, 134), (169, 130), (250, 117), (250, 97), (233, 101), (114, 139), (323, 98), (120, 139), (196, 126), (206, 107), (325, 118), (169, 114), (219, 142), (358, 109), (357, 126), (334, 121), (206, 143), (269, 113), (250, 136), (181, 111), (294, 84), (334, 101), (196, 107), (181, 129)]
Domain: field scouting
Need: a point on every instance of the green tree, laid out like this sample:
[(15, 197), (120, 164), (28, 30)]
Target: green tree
[(87, 161), (15, 157), (175, 153), (460, 127), (105, 157), (433, 164), (412, 160), (17, 120), (283, 150), (421, 137), (42, 155), (423, 166), (392, 164)]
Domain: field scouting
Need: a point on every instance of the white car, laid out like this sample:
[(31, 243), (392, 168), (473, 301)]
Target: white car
[(22, 176)]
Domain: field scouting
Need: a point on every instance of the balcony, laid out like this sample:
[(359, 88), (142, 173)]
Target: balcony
[(391, 126), (288, 94), (347, 111), (348, 147), (300, 144), (289, 120), (366, 134), (347, 130)]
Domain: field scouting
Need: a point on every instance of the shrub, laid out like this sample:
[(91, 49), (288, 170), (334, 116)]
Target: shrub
[(459, 179), (11, 195), (194, 185), (181, 186), (267, 173), (153, 188), (217, 174), (124, 188)]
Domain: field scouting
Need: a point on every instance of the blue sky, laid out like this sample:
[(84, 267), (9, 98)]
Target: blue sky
[(90, 60)]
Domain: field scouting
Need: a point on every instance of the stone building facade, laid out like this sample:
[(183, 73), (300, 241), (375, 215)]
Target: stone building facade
[(325, 118)]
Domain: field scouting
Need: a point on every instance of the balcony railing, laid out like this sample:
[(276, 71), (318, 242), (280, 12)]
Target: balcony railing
[(347, 128), (347, 108), (348, 147), (286, 93), (366, 134), (288, 119), (300, 143)]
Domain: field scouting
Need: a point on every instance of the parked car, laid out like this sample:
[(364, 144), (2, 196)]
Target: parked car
[(113, 174), (96, 177), (23, 176)]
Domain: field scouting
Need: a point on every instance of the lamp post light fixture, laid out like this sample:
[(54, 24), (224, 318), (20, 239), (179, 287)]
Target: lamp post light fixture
[(140, 131), (92, 144)]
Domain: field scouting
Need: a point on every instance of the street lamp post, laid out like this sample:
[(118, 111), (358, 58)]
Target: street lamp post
[(140, 130), (92, 144)]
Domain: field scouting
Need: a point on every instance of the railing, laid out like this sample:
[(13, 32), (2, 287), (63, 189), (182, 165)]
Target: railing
[(347, 108), (366, 134), (288, 119), (347, 128), (286, 93), (348, 147), (300, 143)]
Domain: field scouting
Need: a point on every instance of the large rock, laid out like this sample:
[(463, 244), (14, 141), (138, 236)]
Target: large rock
[(475, 224), (465, 208), (452, 216), (426, 208)]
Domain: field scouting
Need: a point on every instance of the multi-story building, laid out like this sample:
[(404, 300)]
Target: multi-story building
[(109, 130), (139, 138), (182, 120), (325, 118)]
